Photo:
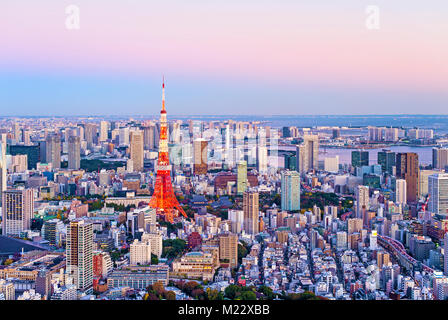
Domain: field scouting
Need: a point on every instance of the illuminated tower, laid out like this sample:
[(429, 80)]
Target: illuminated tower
[(163, 199)]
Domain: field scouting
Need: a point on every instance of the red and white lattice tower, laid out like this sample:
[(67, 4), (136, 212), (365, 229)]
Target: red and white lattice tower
[(163, 198)]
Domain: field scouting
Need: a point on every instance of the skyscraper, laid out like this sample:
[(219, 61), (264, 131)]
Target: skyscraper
[(423, 181), (90, 134), (407, 168), (262, 159), (241, 183), (445, 256), (400, 191), (386, 159), (136, 150), (200, 156), (360, 158), (251, 211), (103, 131), (3, 168), (438, 191), (439, 158), (79, 252), (18, 209), (362, 200), (290, 190), (228, 248), (53, 150), (74, 152), (308, 153), (150, 137)]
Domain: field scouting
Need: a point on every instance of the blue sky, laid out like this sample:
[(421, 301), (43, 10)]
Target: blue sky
[(223, 57)]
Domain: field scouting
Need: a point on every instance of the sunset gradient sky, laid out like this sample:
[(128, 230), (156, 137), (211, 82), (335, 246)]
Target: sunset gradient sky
[(223, 57)]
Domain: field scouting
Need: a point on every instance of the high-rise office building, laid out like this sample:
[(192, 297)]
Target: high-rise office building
[(407, 168), (362, 200), (241, 180), (90, 134), (423, 181), (386, 159), (228, 248), (26, 137), (136, 150), (262, 159), (17, 210), (32, 152), (373, 240), (3, 168), (16, 131), (354, 225), (103, 131), (74, 152), (200, 156), (79, 252), (360, 158), (331, 164), (438, 191), (251, 211), (53, 150), (400, 191), (123, 136), (308, 153), (290, 190), (445, 256), (150, 137), (439, 158)]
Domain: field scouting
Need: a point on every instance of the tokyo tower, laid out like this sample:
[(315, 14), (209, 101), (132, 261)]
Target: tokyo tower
[(163, 198)]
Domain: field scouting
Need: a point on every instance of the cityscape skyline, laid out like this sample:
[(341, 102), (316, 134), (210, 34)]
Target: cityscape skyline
[(301, 154)]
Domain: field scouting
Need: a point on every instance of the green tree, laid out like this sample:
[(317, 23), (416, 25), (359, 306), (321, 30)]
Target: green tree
[(232, 291), (213, 294), (248, 295)]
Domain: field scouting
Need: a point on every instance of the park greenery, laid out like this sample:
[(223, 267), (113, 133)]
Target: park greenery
[(173, 248)]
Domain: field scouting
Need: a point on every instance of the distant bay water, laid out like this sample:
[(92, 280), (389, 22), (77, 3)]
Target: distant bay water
[(437, 122), (345, 154)]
